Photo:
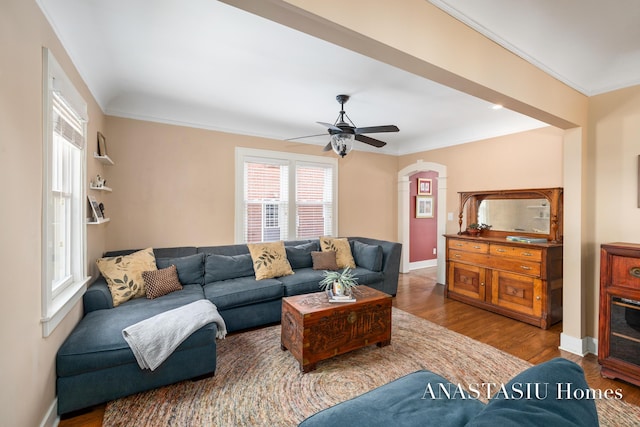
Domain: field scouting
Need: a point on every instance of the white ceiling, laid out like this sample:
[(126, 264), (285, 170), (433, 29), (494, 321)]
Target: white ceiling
[(206, 64)]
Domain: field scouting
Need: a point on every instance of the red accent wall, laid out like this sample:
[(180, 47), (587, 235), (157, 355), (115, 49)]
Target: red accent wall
[(423, 231)]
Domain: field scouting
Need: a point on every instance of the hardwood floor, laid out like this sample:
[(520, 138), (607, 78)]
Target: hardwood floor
[(419, 294)]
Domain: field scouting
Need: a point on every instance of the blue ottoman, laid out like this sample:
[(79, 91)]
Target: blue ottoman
[(423, 398)]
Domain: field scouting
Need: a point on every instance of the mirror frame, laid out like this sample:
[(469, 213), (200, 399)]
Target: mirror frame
[(553, 195)]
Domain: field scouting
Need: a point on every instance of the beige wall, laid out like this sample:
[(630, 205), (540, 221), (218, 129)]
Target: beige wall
[(27, 360), (614, 147), (175, 186), (523, 160)]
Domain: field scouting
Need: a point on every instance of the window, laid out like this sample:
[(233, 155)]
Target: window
[(282, 196), (63, 254)]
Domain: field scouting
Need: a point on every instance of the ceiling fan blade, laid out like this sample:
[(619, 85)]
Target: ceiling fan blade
[(377, 129), (327, 147), (370, 141), (307, 136), (330, 126)]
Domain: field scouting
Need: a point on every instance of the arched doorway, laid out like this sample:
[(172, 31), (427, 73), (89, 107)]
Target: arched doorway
[(403, 212)]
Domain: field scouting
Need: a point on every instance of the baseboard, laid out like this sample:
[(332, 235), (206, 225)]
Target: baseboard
[(51, 418), (579, 346), (423, 264)]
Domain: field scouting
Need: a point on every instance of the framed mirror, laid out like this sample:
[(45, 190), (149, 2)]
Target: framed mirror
[(526, 213)]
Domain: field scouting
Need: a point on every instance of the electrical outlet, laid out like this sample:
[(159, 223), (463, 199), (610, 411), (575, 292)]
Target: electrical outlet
[(434, 251)]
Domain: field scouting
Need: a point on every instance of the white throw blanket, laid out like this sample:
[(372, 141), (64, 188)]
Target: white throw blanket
[(153, 340)]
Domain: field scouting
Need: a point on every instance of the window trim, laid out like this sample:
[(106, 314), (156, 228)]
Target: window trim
[(292, 159), (55, 306)]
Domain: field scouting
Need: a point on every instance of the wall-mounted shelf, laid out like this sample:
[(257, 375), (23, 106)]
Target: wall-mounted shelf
[(103, 188), (103, 159), (100, 221)]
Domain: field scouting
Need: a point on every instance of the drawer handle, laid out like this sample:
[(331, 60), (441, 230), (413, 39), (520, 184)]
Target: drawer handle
[(481, 283), (459, 244), (635, 272), (477, 247), (524, 267), (500, 250), (527, 254), (538, 298), (456, 256)]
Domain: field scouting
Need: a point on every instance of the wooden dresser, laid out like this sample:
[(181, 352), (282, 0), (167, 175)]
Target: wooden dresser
[(619, 325), (518, 280)]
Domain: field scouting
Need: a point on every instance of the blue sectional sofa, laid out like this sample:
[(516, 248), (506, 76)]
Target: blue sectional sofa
[(95, 364)]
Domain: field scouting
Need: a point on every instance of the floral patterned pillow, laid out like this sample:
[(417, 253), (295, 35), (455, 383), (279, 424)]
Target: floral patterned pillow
[(341, 247), (269, 260), (124, 274)]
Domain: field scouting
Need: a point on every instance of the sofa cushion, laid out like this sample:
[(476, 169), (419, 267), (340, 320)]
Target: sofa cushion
[(269, 260), (306, 280), (299, 256), (223, 267), (190, 268), (324, 260), (367, 256), (341, 246), (97, 341), (406, 401), (367, 277), (242, 291), (553, 403), (161, 282), (124, 274)]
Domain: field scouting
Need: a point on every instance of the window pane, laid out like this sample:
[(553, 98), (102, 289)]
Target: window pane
[(314, 201), (266, 201), (66, 198)]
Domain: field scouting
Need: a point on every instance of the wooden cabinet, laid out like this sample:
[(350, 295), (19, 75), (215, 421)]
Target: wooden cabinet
[(519, 280), (619, 324)]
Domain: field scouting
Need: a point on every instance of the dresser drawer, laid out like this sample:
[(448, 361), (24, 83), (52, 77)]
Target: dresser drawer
[(469, 246), (468, 257), (518, 252), (517, 266), (625, 272)]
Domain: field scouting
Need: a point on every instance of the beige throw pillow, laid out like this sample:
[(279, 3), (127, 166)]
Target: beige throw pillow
[(341, 246), (269, 260), (124, 274)]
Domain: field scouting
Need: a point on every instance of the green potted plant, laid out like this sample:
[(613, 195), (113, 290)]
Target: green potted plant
[(339, 282)]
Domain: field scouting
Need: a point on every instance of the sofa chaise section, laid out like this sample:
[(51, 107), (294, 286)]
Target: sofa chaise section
[(95, 364)]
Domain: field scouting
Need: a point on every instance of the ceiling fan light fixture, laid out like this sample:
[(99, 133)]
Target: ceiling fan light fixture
[(342, 143)]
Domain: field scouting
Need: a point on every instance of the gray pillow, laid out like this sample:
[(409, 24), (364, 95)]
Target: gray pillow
[(190, 268), (300, 256), (367, 256), (223, 267)]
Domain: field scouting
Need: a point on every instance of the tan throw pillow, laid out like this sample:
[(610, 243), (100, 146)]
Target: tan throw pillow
[(324, 260), (161, 282), (124, 274), (269, 260), (341, 246)]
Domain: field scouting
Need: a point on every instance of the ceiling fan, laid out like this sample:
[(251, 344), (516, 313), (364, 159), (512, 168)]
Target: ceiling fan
[(344, 132)]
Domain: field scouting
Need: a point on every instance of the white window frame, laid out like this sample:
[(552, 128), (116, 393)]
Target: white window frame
[(292, 160), (59, 298)]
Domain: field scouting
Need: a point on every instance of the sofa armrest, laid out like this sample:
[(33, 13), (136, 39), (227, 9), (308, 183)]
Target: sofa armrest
[(97, 296), (391, 252)]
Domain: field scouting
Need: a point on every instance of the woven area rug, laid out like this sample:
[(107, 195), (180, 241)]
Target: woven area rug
[(258, 384)]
